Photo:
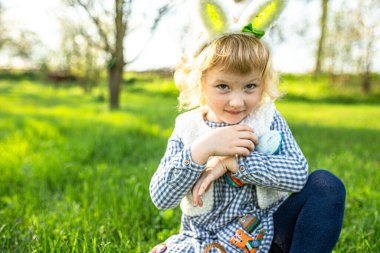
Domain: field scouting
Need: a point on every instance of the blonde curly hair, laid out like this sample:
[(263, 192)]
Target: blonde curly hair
[(237, 52)]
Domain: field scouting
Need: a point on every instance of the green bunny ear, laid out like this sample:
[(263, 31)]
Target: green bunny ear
[(265, 15), (213, 17)]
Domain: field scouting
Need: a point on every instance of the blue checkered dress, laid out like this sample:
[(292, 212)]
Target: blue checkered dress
[(177, 173)]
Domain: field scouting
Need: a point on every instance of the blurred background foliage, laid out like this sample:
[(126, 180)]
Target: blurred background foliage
[(94, 36)]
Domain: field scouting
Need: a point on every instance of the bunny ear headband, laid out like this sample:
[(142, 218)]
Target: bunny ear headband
[(256, 18)]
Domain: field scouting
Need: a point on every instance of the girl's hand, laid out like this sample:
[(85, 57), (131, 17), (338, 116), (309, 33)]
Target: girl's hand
[(225, 141), (214, 170), (158, 248)]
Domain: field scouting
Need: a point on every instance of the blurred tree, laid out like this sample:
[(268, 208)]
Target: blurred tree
[(368, 21), (81, 58), (351, 39), (19, 44), (321, 42), (111, 34), (3, 30), (24, 43)]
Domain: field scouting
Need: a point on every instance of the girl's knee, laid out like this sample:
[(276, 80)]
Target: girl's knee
[(325, 183)]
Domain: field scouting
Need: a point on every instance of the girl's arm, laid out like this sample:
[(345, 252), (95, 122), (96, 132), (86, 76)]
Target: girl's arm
[(181, 165), (286, 171), (175, 175)]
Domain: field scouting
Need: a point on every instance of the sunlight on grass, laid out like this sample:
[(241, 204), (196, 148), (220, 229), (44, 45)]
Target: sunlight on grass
[(328, 89), (68, 112), (304, 87), (324, 114)]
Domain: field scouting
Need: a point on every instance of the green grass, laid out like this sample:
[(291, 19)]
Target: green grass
[(74, 176)]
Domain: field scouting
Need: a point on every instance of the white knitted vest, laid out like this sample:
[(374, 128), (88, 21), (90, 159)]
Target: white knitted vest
[(191, 125)]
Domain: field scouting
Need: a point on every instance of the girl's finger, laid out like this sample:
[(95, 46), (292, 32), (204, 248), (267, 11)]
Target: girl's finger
[(243, 128), (200, 201), (247, 144), (242, 151), (204, 187), (249, 136), (196, 197), (255, 139)]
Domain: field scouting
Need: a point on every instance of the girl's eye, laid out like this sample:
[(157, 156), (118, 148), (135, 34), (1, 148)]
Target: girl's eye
[(250, 86), (222, 86)]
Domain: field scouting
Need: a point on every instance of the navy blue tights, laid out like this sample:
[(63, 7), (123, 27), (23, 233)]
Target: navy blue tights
[(311, 220)]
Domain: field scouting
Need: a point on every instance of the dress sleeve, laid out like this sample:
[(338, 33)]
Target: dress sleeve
[(285, 171), (175, 175)]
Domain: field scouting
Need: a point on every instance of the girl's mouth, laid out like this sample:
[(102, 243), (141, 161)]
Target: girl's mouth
[(234, 112)]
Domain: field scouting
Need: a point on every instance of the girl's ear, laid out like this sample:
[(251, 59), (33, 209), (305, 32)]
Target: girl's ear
[(213, 17), (260, 15)]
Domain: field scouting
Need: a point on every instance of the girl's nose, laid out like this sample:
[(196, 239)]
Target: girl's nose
[(236, 101)]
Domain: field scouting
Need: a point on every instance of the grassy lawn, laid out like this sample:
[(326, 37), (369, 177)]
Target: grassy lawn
[(74, 176)]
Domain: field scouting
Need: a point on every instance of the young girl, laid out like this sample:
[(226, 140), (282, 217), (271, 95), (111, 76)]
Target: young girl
[(232, 192), (232, 82)]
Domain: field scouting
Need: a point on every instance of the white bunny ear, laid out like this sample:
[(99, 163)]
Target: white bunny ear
[(213, 17), (260, 16)]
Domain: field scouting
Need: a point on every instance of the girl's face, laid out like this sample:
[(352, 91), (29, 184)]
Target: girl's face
[(230, 96)]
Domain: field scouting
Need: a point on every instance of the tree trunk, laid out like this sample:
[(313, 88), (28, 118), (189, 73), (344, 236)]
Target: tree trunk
[(114, 84), (366, 83), (367, 60), (319, 59), (366, 78), (115, 76), (116, 65)]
